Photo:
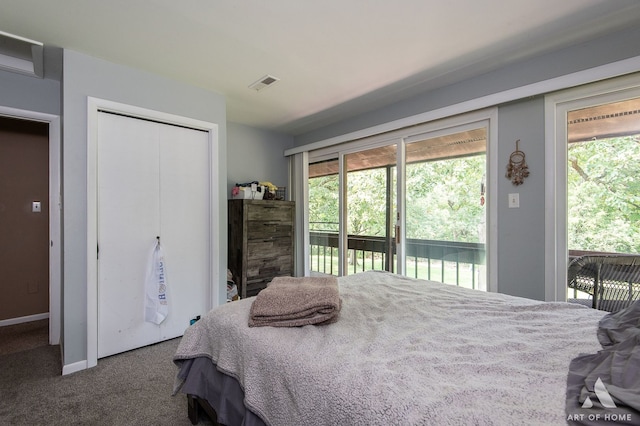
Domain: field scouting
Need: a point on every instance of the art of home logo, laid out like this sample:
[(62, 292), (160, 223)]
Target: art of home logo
[(603, 396), (606, 402)]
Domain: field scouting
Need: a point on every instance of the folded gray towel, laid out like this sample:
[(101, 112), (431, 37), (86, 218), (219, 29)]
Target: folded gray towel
[(294, 302)]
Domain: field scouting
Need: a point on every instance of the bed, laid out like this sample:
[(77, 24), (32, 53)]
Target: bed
[(403, 351)]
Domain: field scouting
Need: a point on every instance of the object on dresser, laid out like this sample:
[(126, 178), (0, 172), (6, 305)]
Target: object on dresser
[(232, 288), (260, 244), (281, 193), (270, 190), (248, 191)]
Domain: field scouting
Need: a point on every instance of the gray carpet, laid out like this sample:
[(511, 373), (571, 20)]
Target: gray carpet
[(20, 337), (133, 388)]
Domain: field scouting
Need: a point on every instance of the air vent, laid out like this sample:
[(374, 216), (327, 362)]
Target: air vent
[(21, 55), (266, 81)]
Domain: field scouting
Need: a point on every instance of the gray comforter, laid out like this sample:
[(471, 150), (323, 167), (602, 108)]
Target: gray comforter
[(604, 387), (404, 352)]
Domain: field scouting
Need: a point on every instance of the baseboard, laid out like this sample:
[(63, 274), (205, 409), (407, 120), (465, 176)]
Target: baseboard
[(20, 320), (73, 368)]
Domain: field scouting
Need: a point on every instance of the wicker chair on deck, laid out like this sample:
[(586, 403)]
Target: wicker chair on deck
[(612, 281)]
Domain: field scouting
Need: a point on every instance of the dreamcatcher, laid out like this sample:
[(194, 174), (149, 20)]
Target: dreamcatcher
[(517, 168)]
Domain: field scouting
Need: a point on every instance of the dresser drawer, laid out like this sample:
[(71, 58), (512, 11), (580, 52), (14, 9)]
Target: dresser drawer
[(254, 286), (266, 230), (272, 212), (269, 248), (267, 268)]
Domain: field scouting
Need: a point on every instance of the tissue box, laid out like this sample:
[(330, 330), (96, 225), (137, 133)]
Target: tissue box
[(246, 194)]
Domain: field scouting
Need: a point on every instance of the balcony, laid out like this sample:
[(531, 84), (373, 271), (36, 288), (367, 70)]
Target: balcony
[(463, 264), (450, 262)]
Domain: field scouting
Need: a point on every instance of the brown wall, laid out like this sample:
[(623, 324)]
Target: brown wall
[(24, 235)]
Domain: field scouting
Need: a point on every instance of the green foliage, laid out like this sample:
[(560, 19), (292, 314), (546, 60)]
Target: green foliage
[(366, 201), (323, 203), (443, 200), (603, 195)]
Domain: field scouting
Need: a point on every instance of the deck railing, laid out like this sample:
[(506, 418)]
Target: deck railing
[(445, 261)]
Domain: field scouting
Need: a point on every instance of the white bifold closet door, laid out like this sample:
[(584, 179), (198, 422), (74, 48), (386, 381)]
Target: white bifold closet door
[(153, 180)]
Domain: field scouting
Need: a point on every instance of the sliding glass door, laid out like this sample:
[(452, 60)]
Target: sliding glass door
[(412, 202), (359, 236), (593, 135), (324, 217), (370, 204), (445, 207)]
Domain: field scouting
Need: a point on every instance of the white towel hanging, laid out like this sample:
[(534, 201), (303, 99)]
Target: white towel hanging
[(156, 307)]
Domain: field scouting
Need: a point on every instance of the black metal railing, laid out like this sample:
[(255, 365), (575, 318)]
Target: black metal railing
[(445, 261)]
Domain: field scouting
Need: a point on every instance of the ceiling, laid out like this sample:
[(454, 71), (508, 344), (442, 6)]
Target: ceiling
[(335, 58)]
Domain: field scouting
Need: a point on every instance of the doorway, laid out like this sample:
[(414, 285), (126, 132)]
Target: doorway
[(30, 217)]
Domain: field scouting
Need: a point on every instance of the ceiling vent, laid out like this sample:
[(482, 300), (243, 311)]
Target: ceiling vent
[(266, 81), (21, 55)]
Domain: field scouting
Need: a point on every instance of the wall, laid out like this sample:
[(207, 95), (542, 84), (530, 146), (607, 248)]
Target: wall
[(255, 154), (87, 76), (521, 244), (32, 93)]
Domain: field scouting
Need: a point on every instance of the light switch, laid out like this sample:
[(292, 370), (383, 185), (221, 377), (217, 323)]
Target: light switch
[(36, 207), (514, 201)]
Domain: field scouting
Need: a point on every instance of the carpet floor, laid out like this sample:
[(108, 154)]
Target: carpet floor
[(132, 388), (24, 336)]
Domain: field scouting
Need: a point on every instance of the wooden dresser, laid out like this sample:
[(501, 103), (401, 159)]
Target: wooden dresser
[(260, 242)]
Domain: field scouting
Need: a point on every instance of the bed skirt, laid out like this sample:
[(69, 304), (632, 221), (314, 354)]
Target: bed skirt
[(205, 385)]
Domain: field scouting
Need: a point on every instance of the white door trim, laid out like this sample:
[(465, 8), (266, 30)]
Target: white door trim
[(55, 207), (94, 105)]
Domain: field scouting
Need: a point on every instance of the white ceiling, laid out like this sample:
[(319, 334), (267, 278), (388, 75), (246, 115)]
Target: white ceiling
[(335, 58)]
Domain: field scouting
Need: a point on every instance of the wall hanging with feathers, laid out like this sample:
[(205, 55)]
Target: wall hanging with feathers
[(517, 168)]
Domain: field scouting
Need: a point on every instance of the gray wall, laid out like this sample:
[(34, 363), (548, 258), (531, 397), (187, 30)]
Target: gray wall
[(255, 154), (32, 93), (521, 245), (86, 76)]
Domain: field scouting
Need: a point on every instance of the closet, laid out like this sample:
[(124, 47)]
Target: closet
[(153, 180)]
